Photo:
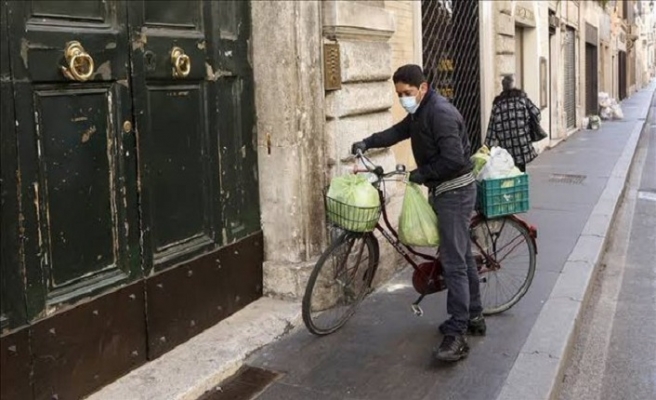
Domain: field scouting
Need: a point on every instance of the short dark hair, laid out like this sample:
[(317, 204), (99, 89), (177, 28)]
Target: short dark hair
[(410, 74)]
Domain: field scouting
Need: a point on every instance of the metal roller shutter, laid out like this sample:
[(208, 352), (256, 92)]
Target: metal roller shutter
[(570, 78)]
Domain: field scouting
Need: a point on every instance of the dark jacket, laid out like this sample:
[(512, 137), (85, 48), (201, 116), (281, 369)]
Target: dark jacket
[(510, 125), (438, 136)]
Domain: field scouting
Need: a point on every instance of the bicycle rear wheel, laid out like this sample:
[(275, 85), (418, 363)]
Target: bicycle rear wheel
[(510, 245), (339, 282)]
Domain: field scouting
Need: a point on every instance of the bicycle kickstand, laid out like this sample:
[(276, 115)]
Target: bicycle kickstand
[(415, 306)]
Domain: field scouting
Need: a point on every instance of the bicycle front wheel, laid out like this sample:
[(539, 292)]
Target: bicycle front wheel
[(339, 282), (511, 247)]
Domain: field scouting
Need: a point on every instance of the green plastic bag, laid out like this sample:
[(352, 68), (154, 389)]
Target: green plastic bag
[(357, 206), (418, 221)]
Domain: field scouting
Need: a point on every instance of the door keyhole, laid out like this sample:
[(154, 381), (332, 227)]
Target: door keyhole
[(149, 60)]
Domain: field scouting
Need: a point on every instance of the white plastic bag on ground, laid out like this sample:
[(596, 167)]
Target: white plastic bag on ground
[(500, 165), (604, 99), (617, 112)]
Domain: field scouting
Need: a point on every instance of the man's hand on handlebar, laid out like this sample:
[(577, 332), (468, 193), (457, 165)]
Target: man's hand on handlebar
[(361, 146), (417, 177)]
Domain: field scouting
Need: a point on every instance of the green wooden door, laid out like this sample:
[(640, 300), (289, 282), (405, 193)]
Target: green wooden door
[(84, 202), (193, 103), (195, 122), (236, 120), (173, 106), (128, 163)]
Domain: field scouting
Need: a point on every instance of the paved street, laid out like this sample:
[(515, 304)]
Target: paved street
[(384, 351), (614, 356)]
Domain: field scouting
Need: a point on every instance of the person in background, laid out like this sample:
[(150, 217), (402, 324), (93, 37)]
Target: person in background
[(514, 124), (441, 149)]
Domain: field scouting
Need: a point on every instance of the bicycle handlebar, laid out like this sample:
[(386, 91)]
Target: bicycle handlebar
[(377, 170)]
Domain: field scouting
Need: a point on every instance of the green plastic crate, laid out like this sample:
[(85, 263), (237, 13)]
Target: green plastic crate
[(503, 196)]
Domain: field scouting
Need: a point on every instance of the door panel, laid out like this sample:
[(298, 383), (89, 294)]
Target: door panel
[(89, 346), (176, 160), (235, 119), (77, 156), (81, 10), (591, 85), (622, 75), (176, 147), (49, 25), (74, 148), (174, 14)]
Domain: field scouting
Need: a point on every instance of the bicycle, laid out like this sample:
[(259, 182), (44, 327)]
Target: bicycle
[(353, 284)]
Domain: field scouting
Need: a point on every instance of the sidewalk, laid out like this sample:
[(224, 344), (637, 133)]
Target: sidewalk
[(383, 352)]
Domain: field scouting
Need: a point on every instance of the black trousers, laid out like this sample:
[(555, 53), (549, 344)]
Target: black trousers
[(454, 209)]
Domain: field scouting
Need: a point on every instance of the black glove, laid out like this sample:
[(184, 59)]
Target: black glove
[(417, 177), (362, 146)]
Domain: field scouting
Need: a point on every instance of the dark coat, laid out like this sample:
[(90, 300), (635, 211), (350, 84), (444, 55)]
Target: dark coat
[(510, 125), (438, 136)]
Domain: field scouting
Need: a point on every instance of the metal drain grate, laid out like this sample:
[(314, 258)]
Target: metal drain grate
[(567, 178), (247, 383)]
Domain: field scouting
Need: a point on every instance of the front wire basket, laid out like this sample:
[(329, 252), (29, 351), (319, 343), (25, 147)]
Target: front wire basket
[(349, 217)]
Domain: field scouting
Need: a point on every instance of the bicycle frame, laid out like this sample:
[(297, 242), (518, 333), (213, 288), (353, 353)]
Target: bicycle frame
[(391, 235)]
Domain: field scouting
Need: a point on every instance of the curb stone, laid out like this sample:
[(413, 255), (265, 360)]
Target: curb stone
[(538, 369), (198, 365)]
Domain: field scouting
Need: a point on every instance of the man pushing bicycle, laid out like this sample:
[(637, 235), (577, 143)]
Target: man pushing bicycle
[(441, 149)]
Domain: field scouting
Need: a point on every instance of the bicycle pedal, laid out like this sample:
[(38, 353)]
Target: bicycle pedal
[(417, 310)]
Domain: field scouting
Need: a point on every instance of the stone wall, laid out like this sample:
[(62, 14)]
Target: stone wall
[(362, 106), (304, 132), (291, 140), (406, 49)]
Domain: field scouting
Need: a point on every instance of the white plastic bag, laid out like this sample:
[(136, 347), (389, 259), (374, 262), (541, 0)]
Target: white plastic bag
[(500, 165), (586, 123), (617, 112)]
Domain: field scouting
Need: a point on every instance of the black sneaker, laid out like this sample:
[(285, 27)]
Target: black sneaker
[(453, 348), (475, 327)]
